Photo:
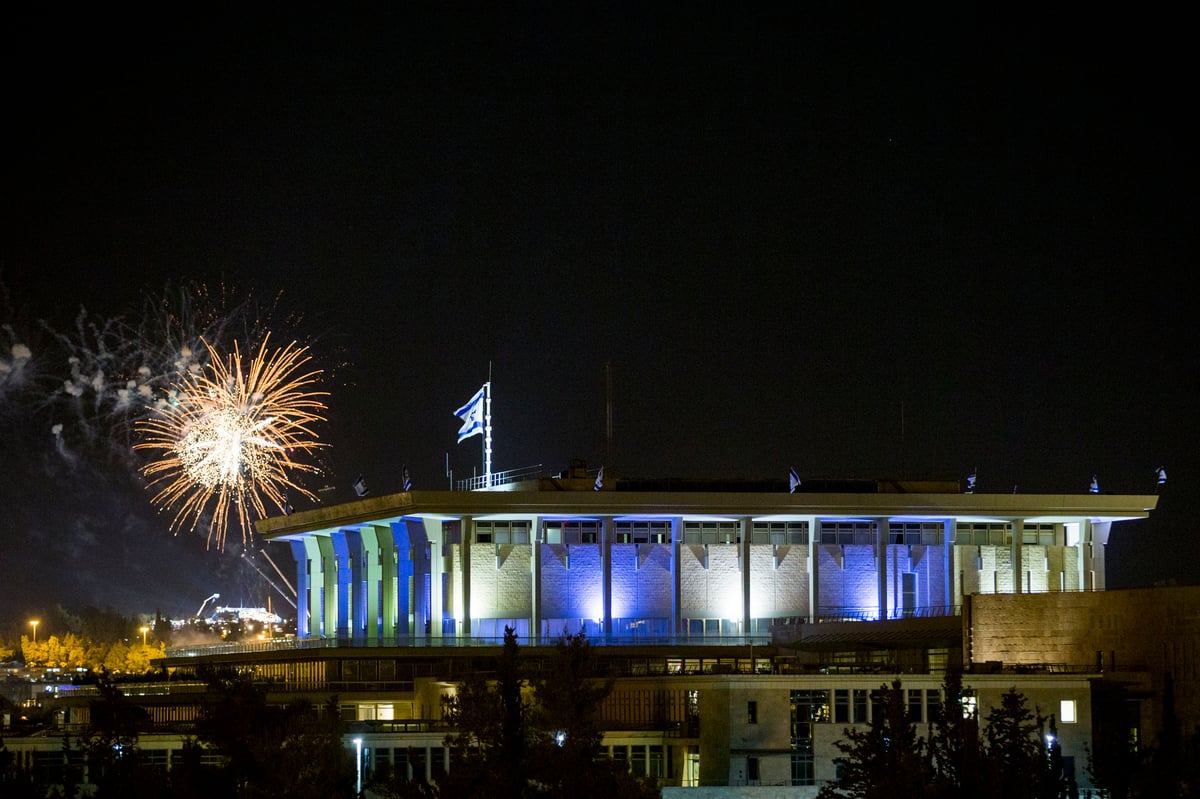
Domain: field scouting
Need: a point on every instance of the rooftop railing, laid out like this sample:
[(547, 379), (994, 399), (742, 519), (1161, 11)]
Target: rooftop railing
[(480, 482)]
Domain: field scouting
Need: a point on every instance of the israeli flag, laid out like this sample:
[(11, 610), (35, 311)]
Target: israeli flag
[(472, 416), (793, 481), (360, 487), (407, 481), (599, 484)]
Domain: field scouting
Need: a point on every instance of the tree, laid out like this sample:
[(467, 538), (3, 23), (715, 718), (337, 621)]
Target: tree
[(488, 747), (293, 751), (956, 752), (1017, 751), (111, 745), (886, 759), (117, 658), (567, 732), (505, 745)]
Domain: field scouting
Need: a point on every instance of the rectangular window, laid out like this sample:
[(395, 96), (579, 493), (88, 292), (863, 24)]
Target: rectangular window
[(1066, 712), (916, 698), (841, 706), (845, 533), (752, 770), (419, 756), (779, 533), (645, 532), (802, 768), (969, 703), (752, 712), (638, 761), (929, 533), (656, 761), (908, 593), (811, 705), (711, 532), (620, 754), (933, 703), (510, 532), (860, 706)]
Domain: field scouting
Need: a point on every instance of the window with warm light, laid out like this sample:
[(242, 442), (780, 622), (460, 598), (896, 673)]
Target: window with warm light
[(1066, 712)]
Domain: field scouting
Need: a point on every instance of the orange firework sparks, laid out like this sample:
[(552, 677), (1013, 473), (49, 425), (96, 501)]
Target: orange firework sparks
[(230, 435)]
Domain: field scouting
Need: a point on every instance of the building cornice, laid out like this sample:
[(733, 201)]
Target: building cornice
[(963, 507)]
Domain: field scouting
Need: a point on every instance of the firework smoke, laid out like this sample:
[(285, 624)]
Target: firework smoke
[(71, 396)]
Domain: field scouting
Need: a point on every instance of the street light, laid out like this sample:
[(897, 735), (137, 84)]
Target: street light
[(144, 631), (34, 623)]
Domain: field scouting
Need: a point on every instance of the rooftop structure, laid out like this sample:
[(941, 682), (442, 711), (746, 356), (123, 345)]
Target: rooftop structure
[(670, 560)]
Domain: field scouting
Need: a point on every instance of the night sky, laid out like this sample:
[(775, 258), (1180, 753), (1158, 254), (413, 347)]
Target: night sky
[(860, 243)]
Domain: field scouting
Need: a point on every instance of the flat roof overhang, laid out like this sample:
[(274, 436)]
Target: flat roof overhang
[(1033, 508)]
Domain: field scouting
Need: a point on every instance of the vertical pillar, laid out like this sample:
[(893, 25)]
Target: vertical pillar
[(329, 587), (372, 576), (881, 560), (467, 534), (356, 614), (744, 529), (418, 546), (814, 572), (1097, 537), (404, 606), (303, 587), (1082, 559), (606, 543), (952, 589), (535, 588), (386, 548), (435, 538), (1018, 568), (676, 582)]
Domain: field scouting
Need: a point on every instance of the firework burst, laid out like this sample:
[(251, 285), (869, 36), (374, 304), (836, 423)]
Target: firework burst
[(226, 440)]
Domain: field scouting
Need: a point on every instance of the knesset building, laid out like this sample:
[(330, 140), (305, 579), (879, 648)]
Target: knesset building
[(401, 596), (662, 561)]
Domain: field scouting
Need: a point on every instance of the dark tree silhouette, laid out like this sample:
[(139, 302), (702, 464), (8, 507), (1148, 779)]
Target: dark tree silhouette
[(885, 760), (504, 744), (955, 747)]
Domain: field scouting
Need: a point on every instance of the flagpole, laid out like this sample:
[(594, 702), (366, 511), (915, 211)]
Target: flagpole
[(487, 432)]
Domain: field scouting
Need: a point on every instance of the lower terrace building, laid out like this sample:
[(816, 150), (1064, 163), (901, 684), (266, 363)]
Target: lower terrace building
[(746, 628)]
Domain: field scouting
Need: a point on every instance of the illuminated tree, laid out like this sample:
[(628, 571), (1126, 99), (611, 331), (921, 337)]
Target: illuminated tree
[(137, 659), (117, 658), (34, 652), (56, 654), (75, 649)]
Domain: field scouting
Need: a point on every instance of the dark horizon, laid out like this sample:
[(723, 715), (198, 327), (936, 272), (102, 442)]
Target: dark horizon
[(895, 244)]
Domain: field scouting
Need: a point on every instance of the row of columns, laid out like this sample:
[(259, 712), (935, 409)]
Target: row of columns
[(356, 580)]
